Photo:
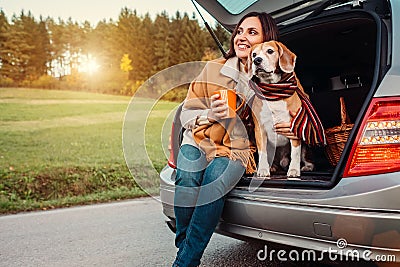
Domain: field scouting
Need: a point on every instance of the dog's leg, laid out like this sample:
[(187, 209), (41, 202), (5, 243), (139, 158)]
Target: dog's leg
[(261, 140), (284, 156), (295, 155), (308, 165), (263, 170)]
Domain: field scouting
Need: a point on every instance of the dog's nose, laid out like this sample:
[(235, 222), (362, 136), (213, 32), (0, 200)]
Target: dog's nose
[(257, 61)]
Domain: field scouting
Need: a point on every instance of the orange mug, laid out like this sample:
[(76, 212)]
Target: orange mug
[(229, 96)]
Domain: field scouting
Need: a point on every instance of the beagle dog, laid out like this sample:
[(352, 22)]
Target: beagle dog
[(271, 68)]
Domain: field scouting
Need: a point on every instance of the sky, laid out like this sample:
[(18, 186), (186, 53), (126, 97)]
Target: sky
[(97, 10)]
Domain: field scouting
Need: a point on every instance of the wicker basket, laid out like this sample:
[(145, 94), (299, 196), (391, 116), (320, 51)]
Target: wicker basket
[(336, 137)]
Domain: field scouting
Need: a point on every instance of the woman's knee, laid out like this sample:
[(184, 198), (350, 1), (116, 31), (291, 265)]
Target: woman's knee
[(190, 166), (191, 159)]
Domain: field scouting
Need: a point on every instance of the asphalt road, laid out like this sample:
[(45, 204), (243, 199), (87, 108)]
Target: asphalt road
[(128, 233)]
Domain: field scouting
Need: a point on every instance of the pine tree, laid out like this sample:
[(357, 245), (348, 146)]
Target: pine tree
[(163, 42), (38, 39), (58, 47), (144, 56), (103, 46), (73, 37), (17, 51), (194, 40), (5, 59), (127, 38), (223, 36)]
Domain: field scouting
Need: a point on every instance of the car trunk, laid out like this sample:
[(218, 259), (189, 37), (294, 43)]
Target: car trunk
[(336, 58), (342, 52)]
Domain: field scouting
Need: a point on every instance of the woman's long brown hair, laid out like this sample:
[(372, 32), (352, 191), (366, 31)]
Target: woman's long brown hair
[(269, 30)]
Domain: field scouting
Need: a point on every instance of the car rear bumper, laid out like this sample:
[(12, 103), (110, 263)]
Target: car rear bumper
[(314, 228), (311, 219)]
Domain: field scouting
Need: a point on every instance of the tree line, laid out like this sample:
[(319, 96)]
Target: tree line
[(112, 57)]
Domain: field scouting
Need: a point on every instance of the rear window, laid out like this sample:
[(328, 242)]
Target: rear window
[(236, 7)]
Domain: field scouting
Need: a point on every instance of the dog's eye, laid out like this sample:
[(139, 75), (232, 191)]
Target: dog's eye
[(270, 51), (254, 54)]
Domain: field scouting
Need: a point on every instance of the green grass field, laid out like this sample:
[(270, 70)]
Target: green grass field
[(61, 148)]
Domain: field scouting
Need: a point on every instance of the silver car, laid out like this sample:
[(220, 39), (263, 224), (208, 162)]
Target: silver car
[(350, 203)]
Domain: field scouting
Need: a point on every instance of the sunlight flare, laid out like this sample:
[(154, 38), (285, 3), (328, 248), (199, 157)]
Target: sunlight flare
[(88, 64)]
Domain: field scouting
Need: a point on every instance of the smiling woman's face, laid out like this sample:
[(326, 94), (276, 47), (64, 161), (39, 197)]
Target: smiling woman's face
[(249, 33)]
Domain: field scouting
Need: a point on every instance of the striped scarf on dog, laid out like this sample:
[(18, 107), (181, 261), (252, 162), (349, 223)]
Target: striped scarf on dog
[(306, 123)]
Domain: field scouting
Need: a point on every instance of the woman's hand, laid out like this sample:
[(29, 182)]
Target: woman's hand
[(218, 110), (283, 128)]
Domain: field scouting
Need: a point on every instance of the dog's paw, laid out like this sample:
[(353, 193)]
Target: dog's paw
[(293, 173), (263, 173), (274, 169), (308, 167), (284, 162)]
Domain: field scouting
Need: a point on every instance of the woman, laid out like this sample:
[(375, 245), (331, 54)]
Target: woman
[(215, 151)]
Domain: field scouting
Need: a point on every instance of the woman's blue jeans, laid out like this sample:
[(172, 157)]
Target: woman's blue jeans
[(200, 192)]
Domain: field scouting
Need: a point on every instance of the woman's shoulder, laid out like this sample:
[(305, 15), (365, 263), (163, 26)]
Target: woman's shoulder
[(215, 63), (220, 63), (220, 60)]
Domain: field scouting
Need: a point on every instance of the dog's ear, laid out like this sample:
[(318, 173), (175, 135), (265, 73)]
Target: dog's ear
[(247, 66), (287, 59)]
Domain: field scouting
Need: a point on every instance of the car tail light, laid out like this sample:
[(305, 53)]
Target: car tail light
[(171, 145), (377, 145)]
